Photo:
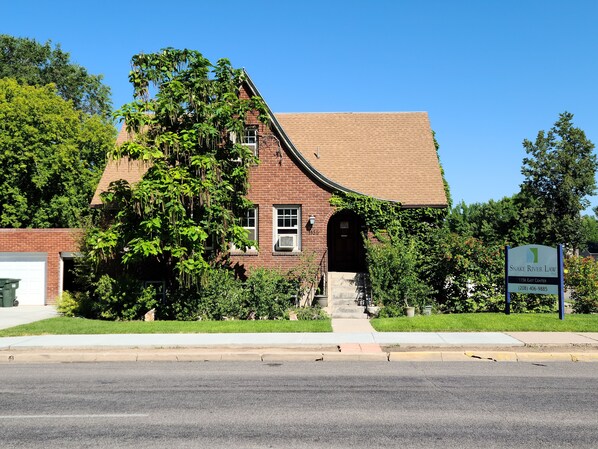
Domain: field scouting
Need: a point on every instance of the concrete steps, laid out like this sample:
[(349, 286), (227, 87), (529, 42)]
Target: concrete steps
[(344, 292)]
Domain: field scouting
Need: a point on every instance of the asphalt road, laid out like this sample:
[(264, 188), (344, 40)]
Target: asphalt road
[(299, 405)]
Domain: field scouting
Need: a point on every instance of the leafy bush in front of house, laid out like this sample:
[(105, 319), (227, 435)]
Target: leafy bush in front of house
[(123, 298), (266, 294), (471, 274), (521, 303), (531, 303), (393, 274), (222, 297), (269, 294), (581, 276), (181, 305), (67, 305), (73, 304)]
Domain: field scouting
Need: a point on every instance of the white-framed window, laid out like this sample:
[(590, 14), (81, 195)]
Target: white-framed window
[(287, 228), (250, 138), (250, 222)]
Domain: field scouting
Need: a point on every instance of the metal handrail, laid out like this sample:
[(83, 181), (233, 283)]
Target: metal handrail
[(310, 291)]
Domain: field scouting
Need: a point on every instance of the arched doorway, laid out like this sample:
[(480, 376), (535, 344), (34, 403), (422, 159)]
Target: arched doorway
[(345, 242)]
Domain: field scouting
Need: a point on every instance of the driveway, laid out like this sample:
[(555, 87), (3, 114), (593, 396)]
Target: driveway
[(14, 316)]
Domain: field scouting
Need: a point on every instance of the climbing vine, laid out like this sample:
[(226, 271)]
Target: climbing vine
[(390, 217)]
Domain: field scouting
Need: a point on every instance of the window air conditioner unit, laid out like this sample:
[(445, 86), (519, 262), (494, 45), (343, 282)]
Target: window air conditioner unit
[(287, 242)]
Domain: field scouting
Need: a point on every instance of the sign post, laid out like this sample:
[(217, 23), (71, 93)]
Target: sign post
[(507, 292), (561, 283), (534, 269)]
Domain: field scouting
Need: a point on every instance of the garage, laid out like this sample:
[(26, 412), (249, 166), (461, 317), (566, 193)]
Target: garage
[(31, 269)]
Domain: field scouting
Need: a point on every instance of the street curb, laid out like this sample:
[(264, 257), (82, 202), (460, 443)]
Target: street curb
[(292, 357), (547, 357), (356, 356), (174, 355)]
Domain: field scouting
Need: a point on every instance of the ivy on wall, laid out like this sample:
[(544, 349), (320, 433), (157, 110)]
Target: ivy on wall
[(390, 217)]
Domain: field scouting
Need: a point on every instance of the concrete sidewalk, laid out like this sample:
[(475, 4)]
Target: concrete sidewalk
[(530, 347), (350, 340), (258, 340)]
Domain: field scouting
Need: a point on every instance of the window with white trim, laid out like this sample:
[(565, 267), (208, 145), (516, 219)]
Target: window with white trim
[(249, 221), (249, 138), (287, 230)]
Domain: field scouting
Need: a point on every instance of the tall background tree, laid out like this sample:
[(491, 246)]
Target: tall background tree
[(51, 157), (560, 174), (55, 132), (36, 64), (184, 118)]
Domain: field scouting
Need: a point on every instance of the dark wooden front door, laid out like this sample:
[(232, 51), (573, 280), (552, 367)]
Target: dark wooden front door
[(345, 244)]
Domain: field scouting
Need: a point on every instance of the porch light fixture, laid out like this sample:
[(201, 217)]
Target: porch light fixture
[(312, 220)]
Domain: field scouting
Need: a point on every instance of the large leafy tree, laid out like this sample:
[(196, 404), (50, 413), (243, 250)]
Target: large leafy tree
[(559, 175), (51, 157), (33, 63), (184, 119)]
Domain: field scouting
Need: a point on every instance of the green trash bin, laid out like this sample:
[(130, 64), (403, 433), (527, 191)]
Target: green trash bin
[(8, 292)]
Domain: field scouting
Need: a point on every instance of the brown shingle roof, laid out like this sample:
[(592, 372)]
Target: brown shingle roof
[(388, 156), (125, 169)]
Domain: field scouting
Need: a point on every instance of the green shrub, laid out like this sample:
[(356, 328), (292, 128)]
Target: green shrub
[(392, 268), (180, 304), (67, 305), (73, 304), (124, 298), (268, 294), (222, 297), (471, 272), (521, 303), (581, 275)]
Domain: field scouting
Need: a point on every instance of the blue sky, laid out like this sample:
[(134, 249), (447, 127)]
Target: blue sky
[(489, 73)]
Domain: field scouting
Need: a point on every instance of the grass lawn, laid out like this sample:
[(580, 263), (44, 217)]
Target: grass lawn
[(63, 325), (488, 322)]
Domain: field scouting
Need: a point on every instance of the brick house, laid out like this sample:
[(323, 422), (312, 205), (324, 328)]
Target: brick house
[(304, 159)]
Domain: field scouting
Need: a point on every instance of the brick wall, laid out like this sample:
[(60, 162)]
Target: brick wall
[(278, 180), (49, 241)]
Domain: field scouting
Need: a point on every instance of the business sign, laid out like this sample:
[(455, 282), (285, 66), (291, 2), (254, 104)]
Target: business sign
[(533, 269)]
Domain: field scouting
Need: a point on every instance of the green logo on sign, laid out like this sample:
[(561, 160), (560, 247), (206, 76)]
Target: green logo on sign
[(532, 255)]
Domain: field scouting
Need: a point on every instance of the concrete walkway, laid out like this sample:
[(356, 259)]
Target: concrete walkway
[(347, 325)]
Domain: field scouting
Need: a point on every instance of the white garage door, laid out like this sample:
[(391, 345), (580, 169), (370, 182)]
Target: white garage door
[(30, 268)]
